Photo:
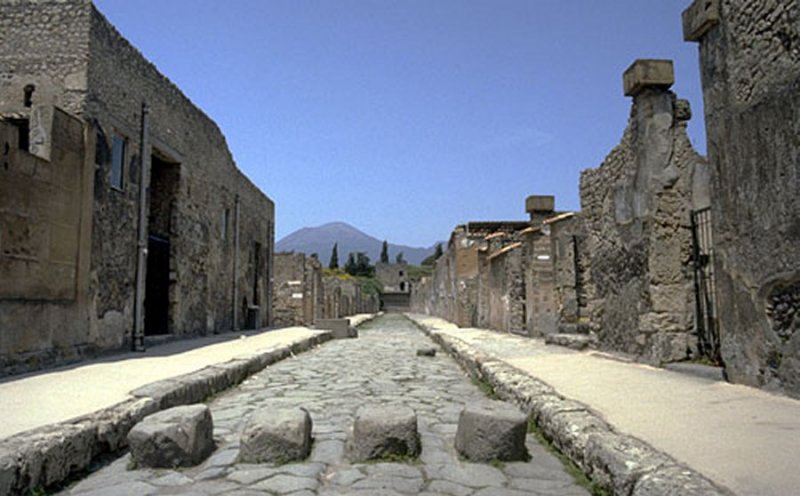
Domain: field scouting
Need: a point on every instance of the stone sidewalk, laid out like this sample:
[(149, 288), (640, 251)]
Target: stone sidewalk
[(57, 421), (738, 437)]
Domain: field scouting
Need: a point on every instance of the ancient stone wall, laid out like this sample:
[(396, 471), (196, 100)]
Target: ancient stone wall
[(45, 229), (750, 68), (568, 259), (636, 210), (502, 286), (540, 301), (394, 277), (213, 227), (299, 296), (344, 296)]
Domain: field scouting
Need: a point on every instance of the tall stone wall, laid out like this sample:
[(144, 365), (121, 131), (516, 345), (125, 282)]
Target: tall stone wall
[(750, 68), (502, 285), (215, 227), (636, 211), (45, 229)]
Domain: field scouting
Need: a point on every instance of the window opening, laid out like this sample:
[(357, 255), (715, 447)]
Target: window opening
[(29, 89)]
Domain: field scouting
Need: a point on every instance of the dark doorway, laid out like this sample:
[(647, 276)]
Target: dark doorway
[(156, 302), (164, 181), (705, 286)]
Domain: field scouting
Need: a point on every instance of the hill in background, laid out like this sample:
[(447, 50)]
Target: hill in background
[(320, 240)]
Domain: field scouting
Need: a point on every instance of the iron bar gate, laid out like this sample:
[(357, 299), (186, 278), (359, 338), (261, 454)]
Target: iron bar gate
[(704, 285)]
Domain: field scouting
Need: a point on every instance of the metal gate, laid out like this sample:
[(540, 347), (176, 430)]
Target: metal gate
[(704, 285)]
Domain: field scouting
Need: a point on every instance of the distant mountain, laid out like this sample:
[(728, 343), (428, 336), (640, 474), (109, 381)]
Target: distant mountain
[(320, 240)]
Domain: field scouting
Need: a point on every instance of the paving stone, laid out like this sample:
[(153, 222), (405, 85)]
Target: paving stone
[(172, 479), (426, 352), (400, 484), (467, 474), (129, 488), (285, 484), (177, 437), (344, 477), (499, 491), (492, 431), (383, 431), (450, 488), (250, 474), (276, 436), (330, 451)]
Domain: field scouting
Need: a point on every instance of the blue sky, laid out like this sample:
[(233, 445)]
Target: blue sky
[(408, 117)]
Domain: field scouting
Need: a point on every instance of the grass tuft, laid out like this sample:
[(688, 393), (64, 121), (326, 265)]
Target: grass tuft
[(580, 478)]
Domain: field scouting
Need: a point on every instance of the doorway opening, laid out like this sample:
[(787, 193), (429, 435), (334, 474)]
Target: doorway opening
[(159, 295)]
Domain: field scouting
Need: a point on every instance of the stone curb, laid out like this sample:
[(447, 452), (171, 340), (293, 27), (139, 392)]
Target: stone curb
[(49, 455), (619, 463)]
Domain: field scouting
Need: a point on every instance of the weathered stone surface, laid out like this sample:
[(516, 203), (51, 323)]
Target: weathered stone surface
[(644, 73), (635, 211), (699, 18), (339, 327), (178, 437), (492, 431), (276, 436), (384, 431), (429, 352), (572, 341), (675, 479), (751, 76)]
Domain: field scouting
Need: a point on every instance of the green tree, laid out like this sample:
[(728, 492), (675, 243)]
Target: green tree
[(350, 265), (334, 263), (399, 259), (385, 252), (431, 260), (358, 265), (439, 252)]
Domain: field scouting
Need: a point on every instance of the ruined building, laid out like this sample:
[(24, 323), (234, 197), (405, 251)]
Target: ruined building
[(394, 277), (636, 210), (500, 275), (622, 269), (303, 294), (122, 212), (299, 295), (750, 69)]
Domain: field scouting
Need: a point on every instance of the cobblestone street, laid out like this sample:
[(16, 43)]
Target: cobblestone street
[(331, 382)]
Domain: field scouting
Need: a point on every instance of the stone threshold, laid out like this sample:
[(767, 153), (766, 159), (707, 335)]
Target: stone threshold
[(619, 463), (48, 456)]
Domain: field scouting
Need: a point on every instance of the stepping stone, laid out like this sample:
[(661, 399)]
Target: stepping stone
[(492, 431), (177, 437), (381, 432), (429, 352), (280, 436)]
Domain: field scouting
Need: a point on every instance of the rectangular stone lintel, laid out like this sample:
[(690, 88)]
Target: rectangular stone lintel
[(699, 18), (648, 73)]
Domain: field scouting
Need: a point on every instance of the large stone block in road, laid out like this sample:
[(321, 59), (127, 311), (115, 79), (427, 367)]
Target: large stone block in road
[(280, 436), (492, 431), (177, 437), (384, 431), (340, 328)]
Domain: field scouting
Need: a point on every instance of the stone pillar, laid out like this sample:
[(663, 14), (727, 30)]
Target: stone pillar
[(540, 207)]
